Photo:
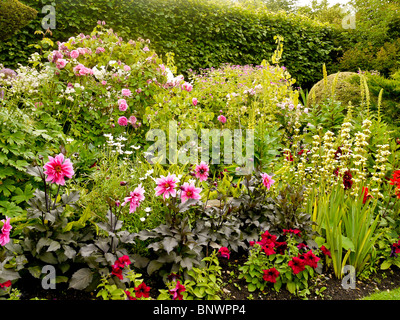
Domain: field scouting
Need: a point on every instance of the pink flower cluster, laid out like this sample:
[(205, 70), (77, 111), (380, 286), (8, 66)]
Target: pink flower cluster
[(5, 232), (168, 186), (81, 70)]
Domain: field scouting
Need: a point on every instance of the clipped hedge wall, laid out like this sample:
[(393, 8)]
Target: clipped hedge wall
[(14, 15), (201, 33)]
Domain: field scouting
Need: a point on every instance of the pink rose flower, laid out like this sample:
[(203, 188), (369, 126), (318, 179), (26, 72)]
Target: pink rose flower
[(194, 101), (187, 86), (127, 68), (122, 105), (100, 50), (132, 120), (57, 169), (123, 121), (126, 92), (61, 63), (221, 119), (74, 54), (146, 49)]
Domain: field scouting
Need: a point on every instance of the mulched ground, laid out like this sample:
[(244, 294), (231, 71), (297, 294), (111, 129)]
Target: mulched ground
[(235, 289)]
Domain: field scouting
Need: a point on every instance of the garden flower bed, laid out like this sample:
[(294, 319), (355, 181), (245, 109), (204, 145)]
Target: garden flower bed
[(111, 190)]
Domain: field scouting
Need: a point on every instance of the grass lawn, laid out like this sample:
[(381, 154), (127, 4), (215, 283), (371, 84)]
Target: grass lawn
[(385, 295)]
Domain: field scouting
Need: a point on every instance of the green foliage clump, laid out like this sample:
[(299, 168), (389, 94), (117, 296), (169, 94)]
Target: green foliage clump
[(22, 138), (14, 15)]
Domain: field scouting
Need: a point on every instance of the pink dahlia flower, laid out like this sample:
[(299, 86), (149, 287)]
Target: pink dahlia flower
[(134, 198), (202, 171), (166, 186), (267, 180), (5, 232), (57, 169), (189, 191)]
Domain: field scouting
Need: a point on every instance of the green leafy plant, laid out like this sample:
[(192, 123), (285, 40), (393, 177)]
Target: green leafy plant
[(272, 264), (204, 282)]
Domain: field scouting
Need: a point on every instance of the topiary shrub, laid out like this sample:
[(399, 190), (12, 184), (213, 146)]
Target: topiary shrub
[(347, 89), (14, 15)]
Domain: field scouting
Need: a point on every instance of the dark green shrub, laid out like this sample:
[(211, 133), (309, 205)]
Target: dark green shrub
[(14, 16), (201, 33)]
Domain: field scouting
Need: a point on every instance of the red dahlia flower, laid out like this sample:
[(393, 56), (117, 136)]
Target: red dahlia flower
[(270, 275)]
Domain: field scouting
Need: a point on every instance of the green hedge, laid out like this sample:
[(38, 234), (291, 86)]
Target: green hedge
[(13, 16), (201, 33)]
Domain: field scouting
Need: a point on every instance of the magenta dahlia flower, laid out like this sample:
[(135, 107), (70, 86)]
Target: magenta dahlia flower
[(267, 180), (57, 169), (166, 186), (202, 171), (134, 198), (189, 191), (5, 232)]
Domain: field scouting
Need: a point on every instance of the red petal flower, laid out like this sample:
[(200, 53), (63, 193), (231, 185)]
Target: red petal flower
[(270, 275), (142, 291), (297, 265)]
